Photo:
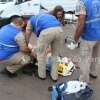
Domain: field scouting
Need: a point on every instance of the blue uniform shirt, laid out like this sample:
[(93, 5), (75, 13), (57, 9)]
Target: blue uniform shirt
[(92, 26), (8, 45), (43, 21)]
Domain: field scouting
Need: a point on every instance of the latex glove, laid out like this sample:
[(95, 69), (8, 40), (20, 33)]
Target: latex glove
[(72, 45)]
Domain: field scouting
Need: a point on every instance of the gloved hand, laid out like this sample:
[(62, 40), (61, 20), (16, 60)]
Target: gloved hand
[(72, 45)]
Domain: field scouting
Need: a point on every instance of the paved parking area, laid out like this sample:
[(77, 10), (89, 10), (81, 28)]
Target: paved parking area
[(31, 88)]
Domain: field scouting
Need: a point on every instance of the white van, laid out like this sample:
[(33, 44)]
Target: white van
[(32, 7), (18, 7), (68, 5)]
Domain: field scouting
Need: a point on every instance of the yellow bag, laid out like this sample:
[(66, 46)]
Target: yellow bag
[(65, 67)]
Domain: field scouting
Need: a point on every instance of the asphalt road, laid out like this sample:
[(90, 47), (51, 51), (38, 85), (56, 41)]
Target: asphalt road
[(31, 88)]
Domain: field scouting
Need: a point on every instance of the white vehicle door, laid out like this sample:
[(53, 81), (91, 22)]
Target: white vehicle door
[(30, 7), (9, 8), (68, 5)]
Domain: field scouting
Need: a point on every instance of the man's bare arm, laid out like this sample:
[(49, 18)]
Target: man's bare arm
[(80, 27), (21, 41), (28, 31)]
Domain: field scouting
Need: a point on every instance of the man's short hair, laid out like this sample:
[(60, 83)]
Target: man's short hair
[(14, 17)]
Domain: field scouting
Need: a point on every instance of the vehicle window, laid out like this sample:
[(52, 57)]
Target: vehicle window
[(3, 0), (26, 0), (6, 0), (19, 1), (10, 0)]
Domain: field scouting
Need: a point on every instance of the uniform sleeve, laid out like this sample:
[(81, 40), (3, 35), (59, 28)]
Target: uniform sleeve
[(31, 23), (80, 9), (20, 39)]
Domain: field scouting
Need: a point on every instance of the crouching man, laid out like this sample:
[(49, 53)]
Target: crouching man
[(14, 51)]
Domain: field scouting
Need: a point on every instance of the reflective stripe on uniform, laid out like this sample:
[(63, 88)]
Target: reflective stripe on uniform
[(7, 45)]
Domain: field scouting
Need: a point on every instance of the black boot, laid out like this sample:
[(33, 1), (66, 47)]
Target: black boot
[(93, 76), (29, 69), (9, 74)]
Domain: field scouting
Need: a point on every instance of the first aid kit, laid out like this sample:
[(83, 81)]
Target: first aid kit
[(64, 65)]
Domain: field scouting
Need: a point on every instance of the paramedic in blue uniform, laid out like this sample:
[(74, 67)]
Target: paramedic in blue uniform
[(49, 32), (13, 48), (88, 28)]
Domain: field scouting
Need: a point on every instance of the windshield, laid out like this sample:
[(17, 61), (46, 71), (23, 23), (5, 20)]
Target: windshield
[(6, 0)]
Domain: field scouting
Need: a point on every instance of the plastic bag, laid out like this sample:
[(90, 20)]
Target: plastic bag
[(71, 90)]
